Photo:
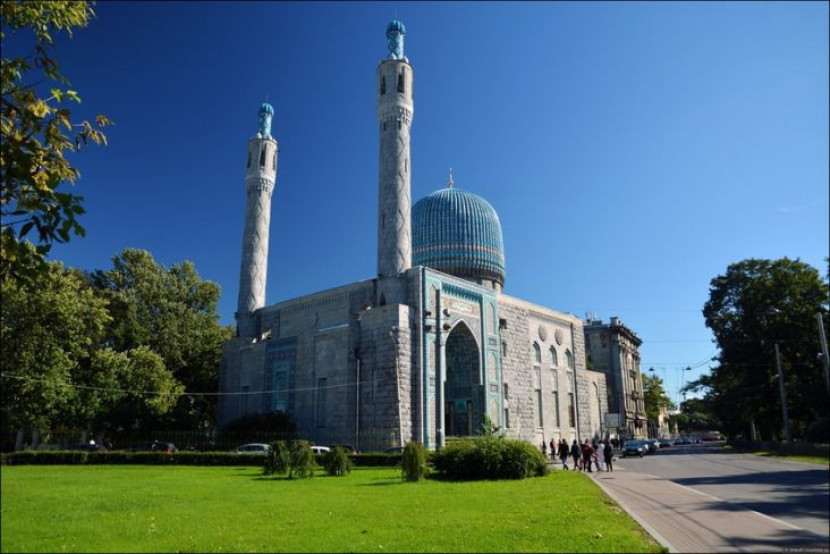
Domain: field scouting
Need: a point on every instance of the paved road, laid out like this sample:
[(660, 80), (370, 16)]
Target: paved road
[(702, 499)]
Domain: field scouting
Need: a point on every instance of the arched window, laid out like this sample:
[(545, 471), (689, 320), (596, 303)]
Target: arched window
[(275, 161), (383, 85), (569, 359), (537, 353), (249, 159), (262, 158), (554, 358), (401, 77)]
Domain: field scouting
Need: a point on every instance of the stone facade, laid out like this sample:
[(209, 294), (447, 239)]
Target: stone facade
[(613, 349), (349, 369)]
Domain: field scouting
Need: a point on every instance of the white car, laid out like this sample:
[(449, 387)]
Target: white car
[(320, 449), (253, 448)]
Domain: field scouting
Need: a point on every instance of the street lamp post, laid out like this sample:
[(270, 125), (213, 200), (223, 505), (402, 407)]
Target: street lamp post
[(787, 431)]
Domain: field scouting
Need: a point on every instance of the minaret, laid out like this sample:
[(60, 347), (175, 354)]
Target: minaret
[(260, 176), (395, 108)]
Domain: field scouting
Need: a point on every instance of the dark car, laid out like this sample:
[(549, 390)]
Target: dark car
[(347, 448), (665, 443), (87, 447), (633, 448), (155, 446)]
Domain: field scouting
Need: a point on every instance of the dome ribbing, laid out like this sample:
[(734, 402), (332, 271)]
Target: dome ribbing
[(459, 233)]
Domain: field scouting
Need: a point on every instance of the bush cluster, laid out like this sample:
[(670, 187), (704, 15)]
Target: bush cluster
[(490, 458), (336, 462), (300, 460), (414, 462), (277, 459)]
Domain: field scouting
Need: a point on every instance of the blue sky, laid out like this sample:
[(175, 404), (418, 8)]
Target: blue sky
[(632, 150)]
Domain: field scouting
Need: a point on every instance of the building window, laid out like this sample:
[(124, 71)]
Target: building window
[(249, 160), (504, 349), (571, 411), (383, 85), (401, 78), (262, 158), (539, 419), (556, 407), (504, 388), (507, 418), (275, 161), (321, 402), (537, 353), (569, 358), (554, 358)]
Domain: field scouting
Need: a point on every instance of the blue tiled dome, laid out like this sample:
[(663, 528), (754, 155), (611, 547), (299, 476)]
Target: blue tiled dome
[(459, 233)]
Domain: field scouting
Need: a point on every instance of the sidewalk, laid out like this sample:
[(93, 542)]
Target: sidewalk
[(685, 520)]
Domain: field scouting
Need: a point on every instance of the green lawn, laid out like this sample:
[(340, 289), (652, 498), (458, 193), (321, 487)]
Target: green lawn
[(222, 509)]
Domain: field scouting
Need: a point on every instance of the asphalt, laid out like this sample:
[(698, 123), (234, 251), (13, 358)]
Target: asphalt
[(687, 520)]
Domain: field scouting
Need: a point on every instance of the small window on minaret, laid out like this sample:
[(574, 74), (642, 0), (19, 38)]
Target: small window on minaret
[(249, 159), (400, 81), (262, 158), (275, 161), (383, 85)]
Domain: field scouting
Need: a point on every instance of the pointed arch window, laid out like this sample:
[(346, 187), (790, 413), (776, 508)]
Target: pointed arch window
[(275, 161), (537, 353), (569, 358), (262, 158), (383, 85), (554, 357), (249, 160), (401, 77)]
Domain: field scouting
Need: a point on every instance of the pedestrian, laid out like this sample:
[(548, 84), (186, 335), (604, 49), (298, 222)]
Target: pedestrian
[(563, 453), (609, 457), (587, 452), (576, 454), (553, 452), (544, 449), (600, 454)]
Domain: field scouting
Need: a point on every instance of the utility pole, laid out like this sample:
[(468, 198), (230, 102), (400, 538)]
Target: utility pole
[(783, 396), (825, 359)]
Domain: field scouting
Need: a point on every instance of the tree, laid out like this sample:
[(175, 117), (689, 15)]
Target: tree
[(55, 367), (174, 314), (37, 132), (654, 396), (753, 306)]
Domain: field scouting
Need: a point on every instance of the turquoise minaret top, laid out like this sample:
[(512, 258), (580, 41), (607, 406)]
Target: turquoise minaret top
[(266, 112), (395, 32)]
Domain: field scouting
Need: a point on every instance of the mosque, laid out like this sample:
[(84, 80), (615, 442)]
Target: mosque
[(426, 350)]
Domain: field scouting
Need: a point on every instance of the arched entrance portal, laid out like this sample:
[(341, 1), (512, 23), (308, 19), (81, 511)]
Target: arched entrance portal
[(462, 404)]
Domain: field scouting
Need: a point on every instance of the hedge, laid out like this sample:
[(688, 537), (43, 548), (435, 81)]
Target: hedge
[(66, 457)]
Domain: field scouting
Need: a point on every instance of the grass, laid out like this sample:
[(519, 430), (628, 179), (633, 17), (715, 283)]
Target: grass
[(771, 454), (222, 509)]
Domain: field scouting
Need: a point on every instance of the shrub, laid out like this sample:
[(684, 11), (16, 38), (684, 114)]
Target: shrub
[(490, 457), (414, 461), (819, 431), (336, 462), (277, 459), (300, 460)]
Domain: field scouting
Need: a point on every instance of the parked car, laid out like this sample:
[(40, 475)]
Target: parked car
[(653, 444), (320, 449), (633, 448), (155, 446), (252, 448), (665, 443), (86, 447)]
